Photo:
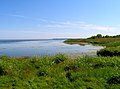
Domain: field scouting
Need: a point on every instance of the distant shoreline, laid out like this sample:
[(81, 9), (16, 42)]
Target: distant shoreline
[(22, 40)]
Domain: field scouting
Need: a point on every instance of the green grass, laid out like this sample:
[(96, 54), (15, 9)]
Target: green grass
[(109, 42), (112, 45), (75, 41), (109, 51), (60, 72)]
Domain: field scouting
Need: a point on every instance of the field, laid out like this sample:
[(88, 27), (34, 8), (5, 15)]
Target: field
[(60, 72)]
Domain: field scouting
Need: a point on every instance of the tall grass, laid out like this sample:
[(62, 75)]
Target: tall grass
[(60, 72), (109, 42)]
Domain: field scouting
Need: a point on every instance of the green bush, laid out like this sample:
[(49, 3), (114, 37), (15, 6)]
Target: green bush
[(109, 51), (2, 72), (114, 80), (59, 58)]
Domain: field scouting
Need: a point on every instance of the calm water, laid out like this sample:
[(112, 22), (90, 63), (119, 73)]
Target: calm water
[(43, 47)]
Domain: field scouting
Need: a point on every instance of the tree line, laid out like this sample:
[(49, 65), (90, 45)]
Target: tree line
[(106, 36)]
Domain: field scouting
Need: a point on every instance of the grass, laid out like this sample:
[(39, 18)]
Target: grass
[(60, 72), (112, 45), (109, 51), (109, 42)]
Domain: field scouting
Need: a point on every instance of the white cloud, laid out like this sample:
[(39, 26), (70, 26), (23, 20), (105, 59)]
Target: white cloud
[(80, 25), (19, 16), (97, 27), (25, 17), (51, 29), (35, 35), (43, 20), (67, 24)]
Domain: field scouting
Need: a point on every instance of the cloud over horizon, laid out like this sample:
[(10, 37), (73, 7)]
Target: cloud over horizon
[(67, 24), (24, 17), (51, 29), (81, 25)]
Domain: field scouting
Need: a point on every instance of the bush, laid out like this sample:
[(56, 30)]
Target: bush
[(59, 58), (114, 80), (109, 51), (69, 76), (1, 70)]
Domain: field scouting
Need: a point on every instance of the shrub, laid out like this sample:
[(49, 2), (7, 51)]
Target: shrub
[(99, 65), (114, 80), (1, 70), (69, 76), (59, 58), (109, 51)]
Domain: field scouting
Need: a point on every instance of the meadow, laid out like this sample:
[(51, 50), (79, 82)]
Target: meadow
[(59, 72)]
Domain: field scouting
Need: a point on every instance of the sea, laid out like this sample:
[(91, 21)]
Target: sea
[(42, 47)]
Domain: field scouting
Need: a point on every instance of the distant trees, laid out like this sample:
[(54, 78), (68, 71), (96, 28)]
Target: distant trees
[(106, 36), (97, 36)]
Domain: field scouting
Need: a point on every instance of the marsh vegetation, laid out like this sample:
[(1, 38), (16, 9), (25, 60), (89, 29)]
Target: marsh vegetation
[(111, 44), (60, 72)]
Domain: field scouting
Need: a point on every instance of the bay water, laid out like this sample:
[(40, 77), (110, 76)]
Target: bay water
[(44, 47)]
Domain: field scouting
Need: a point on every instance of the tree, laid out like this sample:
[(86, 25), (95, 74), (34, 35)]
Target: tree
[(107, 36), (99, 36)]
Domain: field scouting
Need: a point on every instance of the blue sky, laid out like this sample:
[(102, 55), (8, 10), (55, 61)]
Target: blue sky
[(26, 19)]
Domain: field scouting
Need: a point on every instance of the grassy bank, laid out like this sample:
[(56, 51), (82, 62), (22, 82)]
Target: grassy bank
[(112, 44), (108, 42), (60, 72)]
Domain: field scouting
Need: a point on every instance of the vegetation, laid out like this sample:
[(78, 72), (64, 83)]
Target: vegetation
[(112, 44), (109, 51), (107, 36), (97, 40), (63, 72), (60, 72)]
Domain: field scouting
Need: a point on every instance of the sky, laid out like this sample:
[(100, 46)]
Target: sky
[(44, 19)]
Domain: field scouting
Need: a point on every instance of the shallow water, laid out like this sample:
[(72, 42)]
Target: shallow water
[(44, 47)]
